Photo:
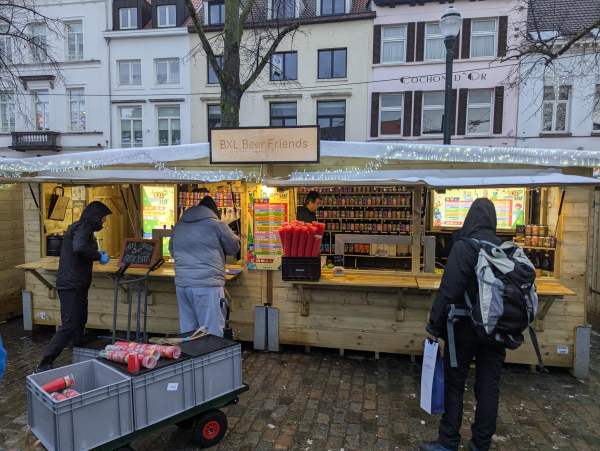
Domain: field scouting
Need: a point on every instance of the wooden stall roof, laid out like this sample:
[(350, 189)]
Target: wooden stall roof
[(167, 270)]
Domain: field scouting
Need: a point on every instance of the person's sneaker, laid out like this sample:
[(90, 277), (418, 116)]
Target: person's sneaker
[(432, 446), (472, 447), (43, 367)]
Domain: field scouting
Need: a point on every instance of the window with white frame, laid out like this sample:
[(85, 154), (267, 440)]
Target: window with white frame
[(330, 7), (169, 129), (130, 73), (284, 9), (5, 44), (130, 125), (41, 106), (555, 108), (166, 16), (479, 112), (433, 113), (393, 44), (75, 41), (39, 49), (216, 13), (596, 119), (7, 112), (127, 18), (391, 110), (77, 113), (167, 72), (435, 49), (483, 38)]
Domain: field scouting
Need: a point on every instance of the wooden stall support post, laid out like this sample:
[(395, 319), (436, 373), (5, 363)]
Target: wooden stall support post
[(581, 367), (538, 324), (416, 230), (48, 285)]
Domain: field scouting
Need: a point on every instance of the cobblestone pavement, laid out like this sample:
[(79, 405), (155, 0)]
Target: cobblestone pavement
[(321, 401)]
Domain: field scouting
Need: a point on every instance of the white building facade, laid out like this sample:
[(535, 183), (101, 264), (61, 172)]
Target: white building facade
[(406, 91), (61, 110), (319, 76), (149, 76)]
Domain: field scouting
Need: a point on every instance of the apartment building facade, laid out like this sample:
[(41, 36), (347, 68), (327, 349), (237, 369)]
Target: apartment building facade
[(406, 89)]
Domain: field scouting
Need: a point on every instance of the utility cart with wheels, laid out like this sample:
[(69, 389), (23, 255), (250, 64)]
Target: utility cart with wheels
[(206, 422), (114, 405)]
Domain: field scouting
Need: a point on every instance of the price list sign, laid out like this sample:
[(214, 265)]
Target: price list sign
[(268, 215)]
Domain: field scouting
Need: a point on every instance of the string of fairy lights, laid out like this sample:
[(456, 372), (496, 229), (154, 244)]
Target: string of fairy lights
[(376, 154)]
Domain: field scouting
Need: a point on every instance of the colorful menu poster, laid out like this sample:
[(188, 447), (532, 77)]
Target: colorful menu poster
[(451, 207), (158, 211), (267, 211)]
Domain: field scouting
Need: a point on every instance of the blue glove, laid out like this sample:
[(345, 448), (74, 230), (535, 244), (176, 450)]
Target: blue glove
[(104, 259), (102, 252)]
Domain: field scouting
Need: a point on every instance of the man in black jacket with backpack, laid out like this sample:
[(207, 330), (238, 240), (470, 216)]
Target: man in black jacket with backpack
[(459, 276)]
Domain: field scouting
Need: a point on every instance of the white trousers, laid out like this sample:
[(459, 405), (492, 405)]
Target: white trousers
[(201, 307)]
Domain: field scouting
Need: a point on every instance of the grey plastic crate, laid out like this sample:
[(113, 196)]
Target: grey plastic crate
[(163, 393), (84, 354), (73, 424), (217, 373)]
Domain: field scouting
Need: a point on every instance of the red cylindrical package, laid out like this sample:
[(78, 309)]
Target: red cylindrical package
[(288, 240), (58, 396), (281, 231), (308, 250), (302, 241), (295, 240), (69, 393), (59, 384)]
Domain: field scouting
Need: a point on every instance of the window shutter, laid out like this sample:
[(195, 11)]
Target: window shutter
[(456, 47), (465, 51), (420, 41), (462, 112), (502, 35), (498, 109), (417, 118), (407, 113), (377, 44), (374, 114), (454, 92), (410, 43)]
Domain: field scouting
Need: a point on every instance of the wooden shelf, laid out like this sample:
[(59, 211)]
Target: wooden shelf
[(365, 206), (539, 247), (376, 256), (365, 194)]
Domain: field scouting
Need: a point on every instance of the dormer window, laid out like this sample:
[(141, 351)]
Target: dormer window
[(166, 16), (329, 7), (284, 9), (128, 18), (216, 13)]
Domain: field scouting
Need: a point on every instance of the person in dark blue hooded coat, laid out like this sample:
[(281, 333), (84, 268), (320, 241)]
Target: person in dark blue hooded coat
[(459, 276), (77, 256)]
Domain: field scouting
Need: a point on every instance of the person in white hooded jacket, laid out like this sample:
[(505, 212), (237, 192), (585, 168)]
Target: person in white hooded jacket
[(199, 243)]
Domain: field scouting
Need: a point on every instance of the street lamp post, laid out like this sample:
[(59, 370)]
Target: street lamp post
[(450, 24)]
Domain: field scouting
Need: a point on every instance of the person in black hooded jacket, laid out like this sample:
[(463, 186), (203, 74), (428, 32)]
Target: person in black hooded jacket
[(459, 275), (77, 256)]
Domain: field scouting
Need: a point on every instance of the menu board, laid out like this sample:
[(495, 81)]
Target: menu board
[(138, 253), (158, 211), (450, 208), (267, 211)]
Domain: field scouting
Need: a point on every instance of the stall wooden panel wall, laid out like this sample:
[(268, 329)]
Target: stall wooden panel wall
[(12, 251)]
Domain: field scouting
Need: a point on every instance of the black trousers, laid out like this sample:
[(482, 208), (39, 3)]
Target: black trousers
[(73, 314), (488, 365)]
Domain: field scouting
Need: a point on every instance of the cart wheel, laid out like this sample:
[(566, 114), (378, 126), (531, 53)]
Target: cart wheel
[(209, 428)]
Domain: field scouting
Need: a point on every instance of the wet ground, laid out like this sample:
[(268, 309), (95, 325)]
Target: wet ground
[(321, 401)]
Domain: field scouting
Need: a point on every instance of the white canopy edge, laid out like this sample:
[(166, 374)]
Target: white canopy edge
[(441, 178), (373, 151)]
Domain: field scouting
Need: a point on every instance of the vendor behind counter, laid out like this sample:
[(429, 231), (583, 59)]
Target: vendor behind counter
[(307, 212)]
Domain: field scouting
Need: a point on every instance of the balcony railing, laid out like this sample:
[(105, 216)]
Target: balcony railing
[(42, 140)]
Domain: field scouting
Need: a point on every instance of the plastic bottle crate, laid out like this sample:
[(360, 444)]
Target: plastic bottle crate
[(162, 393), (72, 424), (301, 269), (84, 354), (217, 373)]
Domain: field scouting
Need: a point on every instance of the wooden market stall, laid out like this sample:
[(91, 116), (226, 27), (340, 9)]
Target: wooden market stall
[(382, 303)]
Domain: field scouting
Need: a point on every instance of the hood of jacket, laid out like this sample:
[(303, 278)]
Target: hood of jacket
[(198, 213), (94, 213), (481, 219)]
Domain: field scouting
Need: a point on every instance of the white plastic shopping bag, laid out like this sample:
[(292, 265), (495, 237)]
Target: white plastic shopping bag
[(432, 379)]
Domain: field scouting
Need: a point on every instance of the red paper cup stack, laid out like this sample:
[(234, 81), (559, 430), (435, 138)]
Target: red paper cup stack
[(310, 242), (318, 238), (295, 239), (302, 241)]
